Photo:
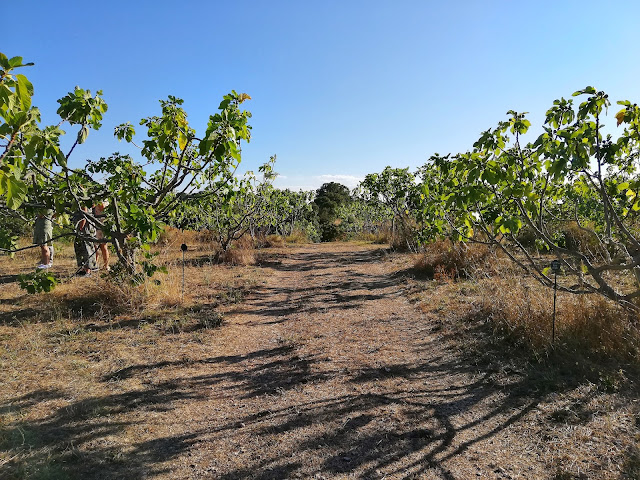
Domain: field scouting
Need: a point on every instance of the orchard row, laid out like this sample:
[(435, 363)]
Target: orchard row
[(572, 191)]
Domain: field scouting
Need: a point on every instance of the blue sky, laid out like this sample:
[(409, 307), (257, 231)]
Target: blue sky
[(339, 88)]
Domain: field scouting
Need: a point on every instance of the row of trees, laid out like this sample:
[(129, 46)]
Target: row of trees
[(572, 190), (185, 179), (246, 205), (35, 172)]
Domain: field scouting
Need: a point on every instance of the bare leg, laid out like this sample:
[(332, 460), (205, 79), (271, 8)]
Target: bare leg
[(104, 252), (45, 254)]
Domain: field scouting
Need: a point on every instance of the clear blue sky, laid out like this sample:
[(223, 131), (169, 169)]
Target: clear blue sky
[(340, 88)]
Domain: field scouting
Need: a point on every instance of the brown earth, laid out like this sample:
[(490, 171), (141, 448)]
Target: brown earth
[(327, 369)]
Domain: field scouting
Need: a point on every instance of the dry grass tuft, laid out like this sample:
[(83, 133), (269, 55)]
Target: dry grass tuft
[(238, 256), (207, 237), (523, 312), (245, 242), (165, 290), (274, 241), (403, 238), (445, 261), (297, 237), (97, 297), (104, 298), (174, 237), (569, 235), (241, 252)]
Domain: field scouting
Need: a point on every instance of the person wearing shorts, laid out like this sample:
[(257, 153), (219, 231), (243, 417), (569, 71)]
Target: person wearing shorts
[(102, 248), (84, 249), (43, 235)]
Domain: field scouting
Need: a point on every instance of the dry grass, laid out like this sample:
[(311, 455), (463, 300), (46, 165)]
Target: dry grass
[(27, 259), (446, 261), (566, 234), (171, 238), (586, 424), (241, 252), (403, 239), (103, 298), (238, 256), (60, 353), (326, 371), (297, 237), (522, 310), (102, 294), (276, 241)]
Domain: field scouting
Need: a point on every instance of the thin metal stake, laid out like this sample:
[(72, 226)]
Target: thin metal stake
[(183, 247), (183, 276), (553, 328)]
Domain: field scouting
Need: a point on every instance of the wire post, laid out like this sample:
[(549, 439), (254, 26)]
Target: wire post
[(183, 247)]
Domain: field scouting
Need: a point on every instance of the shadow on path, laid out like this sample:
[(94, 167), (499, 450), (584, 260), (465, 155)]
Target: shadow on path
[(404, 432), (391, 420), (322, 292)]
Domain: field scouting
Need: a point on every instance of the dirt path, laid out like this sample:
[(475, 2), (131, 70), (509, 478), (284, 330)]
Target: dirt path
[(327, 371)]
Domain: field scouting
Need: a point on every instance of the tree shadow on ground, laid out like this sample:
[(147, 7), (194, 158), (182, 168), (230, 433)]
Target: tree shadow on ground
[(77, 439), (16, 317), (391, 420), (409, 432), (398, 434), (335, 296), (53, 447), (395, 425), (317, 261), (8, 279), (333, 293)]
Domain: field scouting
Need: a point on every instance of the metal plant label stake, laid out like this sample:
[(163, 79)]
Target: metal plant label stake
[(183, 247), (555, 267)]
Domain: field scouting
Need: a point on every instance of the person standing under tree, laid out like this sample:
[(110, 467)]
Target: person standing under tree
[(43, 235), (84, 249), (102, 248)]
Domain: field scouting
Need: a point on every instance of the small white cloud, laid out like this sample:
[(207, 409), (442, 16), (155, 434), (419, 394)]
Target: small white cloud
[(350, 181), (297, 188), (302, 182)]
